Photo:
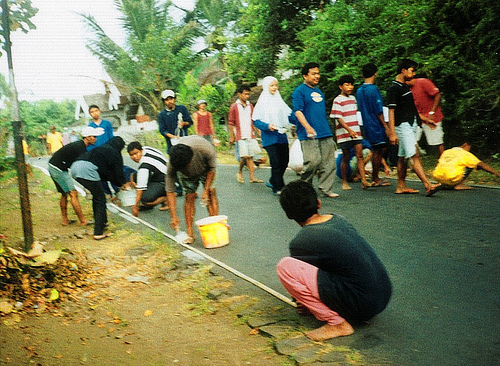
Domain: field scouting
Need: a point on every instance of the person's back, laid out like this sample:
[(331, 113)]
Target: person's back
[(351, 278), (65, 156), (451, 166), (370, 105), (153, 161)]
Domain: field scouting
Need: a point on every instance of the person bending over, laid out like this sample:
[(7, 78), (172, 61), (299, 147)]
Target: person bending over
[(332, 270), (150, 182), (455, 165), (194, 160)]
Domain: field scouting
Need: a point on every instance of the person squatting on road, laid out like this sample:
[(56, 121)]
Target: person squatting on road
[(193, 159), (455, 165), (59, 164), (150, 179), (104, 163), (332, 270)]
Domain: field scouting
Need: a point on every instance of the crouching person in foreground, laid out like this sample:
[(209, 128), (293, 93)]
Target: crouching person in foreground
[(332, 270), (194, 159)]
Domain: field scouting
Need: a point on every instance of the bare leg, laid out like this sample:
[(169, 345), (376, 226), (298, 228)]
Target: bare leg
[(440, 149), (157, 201), (213, 203), (251, 167), (376, 162), (76, 206), (239, 177), (189, 211), (344, 170), (402, 169), (63, 203), (419, 170), (328, 331), (358, 149)]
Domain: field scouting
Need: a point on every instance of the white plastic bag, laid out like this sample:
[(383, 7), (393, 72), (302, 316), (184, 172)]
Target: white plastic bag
[(296, 161)]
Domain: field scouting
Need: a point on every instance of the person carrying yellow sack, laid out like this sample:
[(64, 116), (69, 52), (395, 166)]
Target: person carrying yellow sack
[(455, 165)]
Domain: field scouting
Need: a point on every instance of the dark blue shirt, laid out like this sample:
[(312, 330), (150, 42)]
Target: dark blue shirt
[(167, 122), (311, 102)]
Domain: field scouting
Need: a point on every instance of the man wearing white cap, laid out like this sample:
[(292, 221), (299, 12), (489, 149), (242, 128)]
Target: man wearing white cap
[(58, 170), (173, 122)]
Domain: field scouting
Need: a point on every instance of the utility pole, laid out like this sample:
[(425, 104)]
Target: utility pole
[(17, 131)]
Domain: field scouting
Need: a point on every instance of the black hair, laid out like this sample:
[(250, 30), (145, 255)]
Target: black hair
[(369, 70), (134, 145), (309, 66), (345, 79), (299, 200), (406, 63), (243, 87), (180, 156), (116, 142), (94, 106)]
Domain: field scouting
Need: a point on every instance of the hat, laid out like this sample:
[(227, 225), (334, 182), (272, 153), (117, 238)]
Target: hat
[(167, 93), (91, 131), (201, 101)]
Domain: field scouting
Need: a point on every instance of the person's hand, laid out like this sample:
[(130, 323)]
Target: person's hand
[(231, 140), (353, 134), (311, 132), (175, 223), (135, 210), (393, 138), (272, 127)]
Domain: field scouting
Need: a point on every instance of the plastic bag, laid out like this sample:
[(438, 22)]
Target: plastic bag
[(296, 161)]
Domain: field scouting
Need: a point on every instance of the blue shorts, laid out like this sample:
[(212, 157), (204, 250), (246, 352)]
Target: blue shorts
[(407, 136), (62, 180)]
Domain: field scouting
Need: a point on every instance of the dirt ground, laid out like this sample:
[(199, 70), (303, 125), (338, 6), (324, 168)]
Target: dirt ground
[(139, 303)]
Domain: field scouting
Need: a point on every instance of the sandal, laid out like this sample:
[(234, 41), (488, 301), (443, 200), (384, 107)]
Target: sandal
[(256, 181), (102, 236)]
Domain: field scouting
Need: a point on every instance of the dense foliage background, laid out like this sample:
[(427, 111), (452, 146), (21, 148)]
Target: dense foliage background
[(456, 42)]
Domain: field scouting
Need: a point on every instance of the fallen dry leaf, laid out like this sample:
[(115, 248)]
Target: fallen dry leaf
[(58, 356), (148, 312), (254, 331)]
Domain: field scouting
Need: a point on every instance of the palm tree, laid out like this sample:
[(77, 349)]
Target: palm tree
[(157, 53)]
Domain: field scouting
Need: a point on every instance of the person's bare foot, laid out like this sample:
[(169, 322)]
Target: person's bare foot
[(67, 222), (84, 223), (462, 187), (328, 331), (346, 187)]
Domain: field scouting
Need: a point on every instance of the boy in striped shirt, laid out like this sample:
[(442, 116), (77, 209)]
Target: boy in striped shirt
[(348, 132)]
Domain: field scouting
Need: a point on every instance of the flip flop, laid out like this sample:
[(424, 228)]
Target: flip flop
[(382, 183), (256, 181), (69, 223), (101, 237), (431, 192), (408, 191)]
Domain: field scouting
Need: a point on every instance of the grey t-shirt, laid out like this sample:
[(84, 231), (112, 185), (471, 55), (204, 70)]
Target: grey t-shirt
[(203, 161), (351, 279)]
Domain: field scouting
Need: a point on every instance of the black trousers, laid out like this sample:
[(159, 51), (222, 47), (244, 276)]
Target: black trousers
[(98, 203), (278, 157)]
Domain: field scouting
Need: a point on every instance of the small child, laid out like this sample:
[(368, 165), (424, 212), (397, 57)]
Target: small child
[(348, 132)]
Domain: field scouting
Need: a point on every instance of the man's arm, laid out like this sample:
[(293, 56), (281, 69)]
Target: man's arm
[(172, 208), (393, 138), (208, 184), (135, 207), (311, 132), (487, 168), (347, 128)]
